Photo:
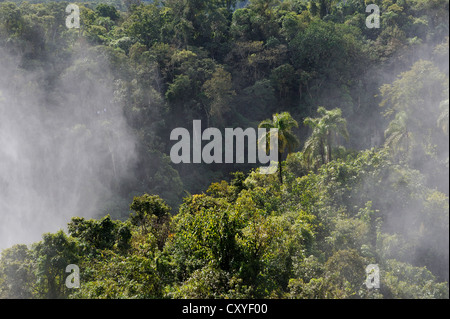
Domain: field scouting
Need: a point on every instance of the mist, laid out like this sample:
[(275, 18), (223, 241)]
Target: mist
[(408, 209), (64, 144)]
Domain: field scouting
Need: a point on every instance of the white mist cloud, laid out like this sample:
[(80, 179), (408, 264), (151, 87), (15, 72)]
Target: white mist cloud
[(64, 147)]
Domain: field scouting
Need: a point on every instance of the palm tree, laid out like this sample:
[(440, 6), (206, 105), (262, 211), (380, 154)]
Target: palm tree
[(324, 130), (397, 135), (284, 123)]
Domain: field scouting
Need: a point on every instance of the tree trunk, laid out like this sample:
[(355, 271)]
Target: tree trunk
[(322, 152), (329, 147), (280, 168)]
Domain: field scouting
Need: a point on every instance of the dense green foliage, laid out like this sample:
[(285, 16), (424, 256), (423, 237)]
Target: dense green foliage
[(366, 177)]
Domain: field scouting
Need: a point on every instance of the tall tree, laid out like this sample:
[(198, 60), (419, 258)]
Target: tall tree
[(417, 93), (284, 123), (219, 91), (324, 130), (151, 214), (397, 134)]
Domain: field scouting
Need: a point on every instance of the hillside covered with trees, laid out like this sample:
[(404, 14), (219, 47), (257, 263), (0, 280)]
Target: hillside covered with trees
[(363, 171)]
